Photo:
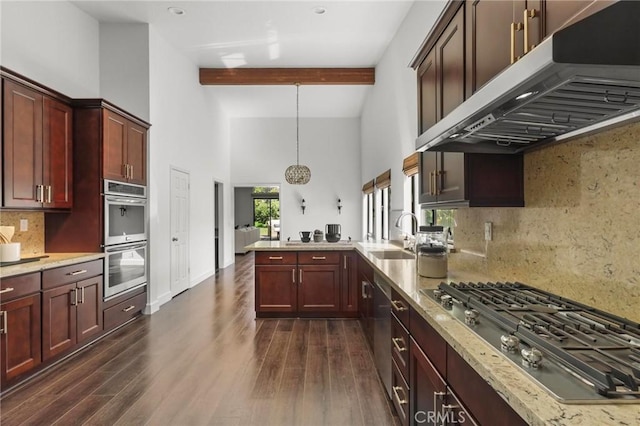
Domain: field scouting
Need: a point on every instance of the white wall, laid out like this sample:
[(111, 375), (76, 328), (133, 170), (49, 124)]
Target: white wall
[(389, 117), (262, 149), (243, 203), (124, 67), (53, 43), (190, 132)]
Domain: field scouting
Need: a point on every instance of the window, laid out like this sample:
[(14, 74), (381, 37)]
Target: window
[(411, 169), (383, 185), (266, 211), (369, 210), (441, 217)]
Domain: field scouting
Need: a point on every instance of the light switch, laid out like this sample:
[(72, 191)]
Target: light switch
[(24, 225), (488, 231)]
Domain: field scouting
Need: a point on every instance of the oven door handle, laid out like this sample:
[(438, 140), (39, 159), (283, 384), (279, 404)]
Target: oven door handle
[(139, 201), (127, 248)]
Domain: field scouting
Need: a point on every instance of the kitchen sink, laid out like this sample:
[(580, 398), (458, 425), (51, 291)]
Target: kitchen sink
[(392, 254)]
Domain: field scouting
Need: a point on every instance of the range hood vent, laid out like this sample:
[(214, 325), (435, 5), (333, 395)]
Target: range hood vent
[(583, 78)]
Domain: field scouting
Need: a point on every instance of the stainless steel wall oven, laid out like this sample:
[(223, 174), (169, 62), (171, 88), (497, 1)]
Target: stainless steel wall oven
[(125, 237)]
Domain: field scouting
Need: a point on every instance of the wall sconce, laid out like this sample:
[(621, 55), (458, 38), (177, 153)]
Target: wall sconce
[(339, 206), (302, 206)]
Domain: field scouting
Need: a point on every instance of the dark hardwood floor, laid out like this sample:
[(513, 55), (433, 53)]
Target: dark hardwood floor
[(204, 359)]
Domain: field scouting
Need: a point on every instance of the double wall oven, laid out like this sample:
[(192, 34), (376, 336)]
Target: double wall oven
[(125, 237)]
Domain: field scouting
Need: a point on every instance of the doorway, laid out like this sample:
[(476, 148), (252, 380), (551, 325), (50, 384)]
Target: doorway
[(179, 228), (217, 220), (266, 211)]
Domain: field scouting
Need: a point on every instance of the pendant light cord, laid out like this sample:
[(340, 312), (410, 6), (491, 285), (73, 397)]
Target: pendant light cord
[(298, 124)]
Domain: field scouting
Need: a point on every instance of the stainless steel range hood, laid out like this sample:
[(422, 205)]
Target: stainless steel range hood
[(583, 78)]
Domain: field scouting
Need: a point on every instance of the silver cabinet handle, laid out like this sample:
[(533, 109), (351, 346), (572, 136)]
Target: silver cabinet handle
[(396, 343), (125, 172), (5, 327), (319, 257), (128, 308), (275, 257), (75, 297), (398, 306), (6, 290), (397, 396), (345, 262), (131, 176), (49, 191), (300, 276), (40, 193), (82, 295), (80, 272), (293, 276)]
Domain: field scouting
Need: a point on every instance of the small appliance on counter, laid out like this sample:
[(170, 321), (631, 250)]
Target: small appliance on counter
[(9, 252), (333, 232), (431, 252)]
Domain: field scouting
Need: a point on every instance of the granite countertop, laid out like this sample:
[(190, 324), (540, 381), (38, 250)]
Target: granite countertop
[(53, 260), (299, 246), (525, 396)]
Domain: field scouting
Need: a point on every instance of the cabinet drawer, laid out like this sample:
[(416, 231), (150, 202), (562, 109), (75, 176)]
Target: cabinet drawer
[(276, 258), (318, 257), (72, 273), (400, 346), (124, 311), (400, 394), (400, 308), (431, 343), (14, 287)]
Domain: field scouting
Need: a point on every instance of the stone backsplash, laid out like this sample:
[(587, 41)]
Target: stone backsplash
[(579, 234), (32, 240)]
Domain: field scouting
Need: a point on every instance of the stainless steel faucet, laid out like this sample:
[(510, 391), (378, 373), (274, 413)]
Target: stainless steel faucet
[(398, 225)]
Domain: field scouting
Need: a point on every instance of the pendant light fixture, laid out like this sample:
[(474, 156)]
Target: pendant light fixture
[(297, 174)]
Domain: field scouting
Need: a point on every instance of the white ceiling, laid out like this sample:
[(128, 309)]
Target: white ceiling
[(277, 34)]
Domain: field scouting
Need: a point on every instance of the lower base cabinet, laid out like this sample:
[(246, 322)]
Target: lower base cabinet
[(19, 336), (120, 312)]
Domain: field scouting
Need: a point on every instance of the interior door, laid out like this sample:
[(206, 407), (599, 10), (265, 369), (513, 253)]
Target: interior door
[(179, 231)]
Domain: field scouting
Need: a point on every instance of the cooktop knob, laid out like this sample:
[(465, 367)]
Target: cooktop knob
[(437, 294), (509, 343), (471, 316), (531, 357), (446, 301)]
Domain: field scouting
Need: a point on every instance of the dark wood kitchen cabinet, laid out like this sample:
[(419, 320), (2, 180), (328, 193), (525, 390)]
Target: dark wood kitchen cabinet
[(111, 138), (441, 74), (474, 180), (71, 306), (350, 286), (37, 147), (20, 332), (125, 149), (365, 307), (305, 283)]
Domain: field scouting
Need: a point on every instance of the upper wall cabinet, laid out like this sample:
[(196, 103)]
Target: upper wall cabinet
[(125, 149), (37, 146)]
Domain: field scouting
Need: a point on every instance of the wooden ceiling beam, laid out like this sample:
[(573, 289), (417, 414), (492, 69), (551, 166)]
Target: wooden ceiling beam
[(286, 76)]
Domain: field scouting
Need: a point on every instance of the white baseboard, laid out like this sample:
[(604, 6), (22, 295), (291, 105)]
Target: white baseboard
[(154, 306), (202, 277)]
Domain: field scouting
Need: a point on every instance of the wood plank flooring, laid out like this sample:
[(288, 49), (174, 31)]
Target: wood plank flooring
[(204, 359)]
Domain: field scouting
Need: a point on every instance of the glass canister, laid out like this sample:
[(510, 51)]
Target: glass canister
[(431, 251)]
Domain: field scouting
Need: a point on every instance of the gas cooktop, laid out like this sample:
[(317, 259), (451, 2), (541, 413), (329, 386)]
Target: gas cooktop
[(578, 353)]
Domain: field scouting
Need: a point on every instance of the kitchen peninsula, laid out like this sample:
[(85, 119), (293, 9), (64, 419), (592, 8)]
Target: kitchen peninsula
[(486, 365)]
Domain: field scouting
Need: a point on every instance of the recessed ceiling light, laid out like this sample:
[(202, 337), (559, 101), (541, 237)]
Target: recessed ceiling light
[(319, 10), (176, 11)]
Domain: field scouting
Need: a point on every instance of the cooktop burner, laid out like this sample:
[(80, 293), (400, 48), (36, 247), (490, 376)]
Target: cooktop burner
[(578, 353)]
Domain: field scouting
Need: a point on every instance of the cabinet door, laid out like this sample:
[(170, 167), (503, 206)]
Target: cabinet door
[(276, 288), (89, 310), (450, 65), (319, 288), (22, 146), (450, 179), (58, 320), (427, 389), (560, 13), (488, 26), (57, 154), (428, 173), (350, 286), (114, 146), (137, 153), (20, 337), (427, 87)]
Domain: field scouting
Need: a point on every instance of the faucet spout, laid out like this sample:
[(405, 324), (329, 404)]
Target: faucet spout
[(402, 216)]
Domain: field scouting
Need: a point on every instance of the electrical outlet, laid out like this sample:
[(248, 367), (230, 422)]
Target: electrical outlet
[(488, 231), (24, 225)]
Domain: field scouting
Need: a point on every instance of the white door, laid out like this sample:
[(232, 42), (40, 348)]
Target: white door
[(179, 231)]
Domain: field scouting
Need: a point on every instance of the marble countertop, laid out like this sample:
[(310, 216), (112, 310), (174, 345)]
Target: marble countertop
[(299, 246), (524, 395), (53, 260)]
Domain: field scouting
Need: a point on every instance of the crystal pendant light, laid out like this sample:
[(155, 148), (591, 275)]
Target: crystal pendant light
[(297, 174)]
